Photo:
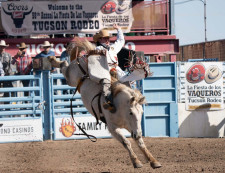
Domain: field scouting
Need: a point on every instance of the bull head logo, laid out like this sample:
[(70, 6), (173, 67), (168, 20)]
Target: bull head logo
[(18, 17)]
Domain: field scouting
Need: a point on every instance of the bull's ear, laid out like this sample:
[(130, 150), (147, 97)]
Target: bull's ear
[(132, 100), (142, 100)]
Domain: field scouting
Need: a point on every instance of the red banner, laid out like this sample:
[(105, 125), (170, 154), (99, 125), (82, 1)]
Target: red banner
[(149, 44)]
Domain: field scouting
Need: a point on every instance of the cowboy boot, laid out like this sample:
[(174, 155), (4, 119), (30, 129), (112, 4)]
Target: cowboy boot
[(106, 90)]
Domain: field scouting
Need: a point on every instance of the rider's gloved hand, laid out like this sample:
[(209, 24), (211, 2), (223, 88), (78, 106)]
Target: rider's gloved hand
[(115, 26)]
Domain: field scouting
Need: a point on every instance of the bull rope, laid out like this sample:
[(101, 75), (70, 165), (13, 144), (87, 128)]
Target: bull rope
[(71, 105)]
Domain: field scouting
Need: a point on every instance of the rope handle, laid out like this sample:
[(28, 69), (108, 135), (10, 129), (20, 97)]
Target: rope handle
[(91, 137)]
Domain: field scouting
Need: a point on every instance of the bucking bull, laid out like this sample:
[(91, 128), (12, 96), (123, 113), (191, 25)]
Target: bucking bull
[(128, 102)]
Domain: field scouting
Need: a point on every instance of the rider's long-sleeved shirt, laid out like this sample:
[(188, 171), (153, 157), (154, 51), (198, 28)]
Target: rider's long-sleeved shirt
[(114, 49), (23, 63), (112, 60)]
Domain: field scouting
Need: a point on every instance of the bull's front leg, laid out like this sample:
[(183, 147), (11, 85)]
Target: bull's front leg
[(153, 162), (117, 133)]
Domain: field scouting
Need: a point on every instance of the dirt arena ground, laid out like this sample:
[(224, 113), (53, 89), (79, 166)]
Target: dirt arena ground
[(107, 155)]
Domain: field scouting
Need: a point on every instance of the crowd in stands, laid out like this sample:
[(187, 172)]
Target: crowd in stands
[(22, 63)]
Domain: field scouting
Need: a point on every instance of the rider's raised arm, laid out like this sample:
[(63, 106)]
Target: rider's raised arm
[(120, 41)]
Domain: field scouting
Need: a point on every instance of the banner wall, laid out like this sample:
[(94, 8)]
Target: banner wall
[(58, 17)]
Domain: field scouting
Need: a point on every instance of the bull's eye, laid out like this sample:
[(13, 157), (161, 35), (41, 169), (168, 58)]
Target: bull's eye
[(131, 113)]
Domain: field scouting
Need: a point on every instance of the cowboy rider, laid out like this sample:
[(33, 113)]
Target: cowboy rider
[(102, 40), (102, 43)]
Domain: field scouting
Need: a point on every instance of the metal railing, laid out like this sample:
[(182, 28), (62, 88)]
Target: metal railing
[(13, 101), (61, 96)]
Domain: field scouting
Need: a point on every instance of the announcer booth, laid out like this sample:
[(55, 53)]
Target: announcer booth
[(151, 32)]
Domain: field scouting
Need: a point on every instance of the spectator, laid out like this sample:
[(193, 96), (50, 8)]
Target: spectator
[(46, 52), (2, 73), (66, 53), (23, 63), (65, 56), (5, 59)]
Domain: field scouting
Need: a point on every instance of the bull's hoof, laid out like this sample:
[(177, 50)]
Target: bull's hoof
[(137, 164), (155, 165)]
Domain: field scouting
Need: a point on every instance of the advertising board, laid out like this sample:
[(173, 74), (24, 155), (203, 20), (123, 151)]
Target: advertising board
[(23, 130), (65, 128), (204, 86)]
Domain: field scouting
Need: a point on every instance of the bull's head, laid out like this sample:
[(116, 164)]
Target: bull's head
[(18, 17)]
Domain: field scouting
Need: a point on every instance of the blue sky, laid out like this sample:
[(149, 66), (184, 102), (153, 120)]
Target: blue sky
[(189, 21)]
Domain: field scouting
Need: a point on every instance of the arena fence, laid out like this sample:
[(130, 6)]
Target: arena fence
[(161, 112), (21, 117)]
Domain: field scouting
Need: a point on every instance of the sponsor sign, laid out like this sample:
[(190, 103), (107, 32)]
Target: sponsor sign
[(65, 128), (204, 86), (21, 130), (55, 17)]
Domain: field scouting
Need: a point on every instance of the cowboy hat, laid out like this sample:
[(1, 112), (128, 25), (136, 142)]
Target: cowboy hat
[(212, 74), (22, 46), (102, 34), (122, 8), (47, 44), (195, 73), (3, 44), (108, 7)]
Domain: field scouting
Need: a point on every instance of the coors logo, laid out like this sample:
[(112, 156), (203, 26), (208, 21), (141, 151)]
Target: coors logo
[(17, 13)]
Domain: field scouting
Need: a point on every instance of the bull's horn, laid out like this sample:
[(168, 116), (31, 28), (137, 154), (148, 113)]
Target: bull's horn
[(9, 13)]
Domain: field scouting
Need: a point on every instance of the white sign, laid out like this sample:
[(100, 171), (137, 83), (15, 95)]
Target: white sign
[(21, 130), (204, 86), (55, 17), (65, 128)]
